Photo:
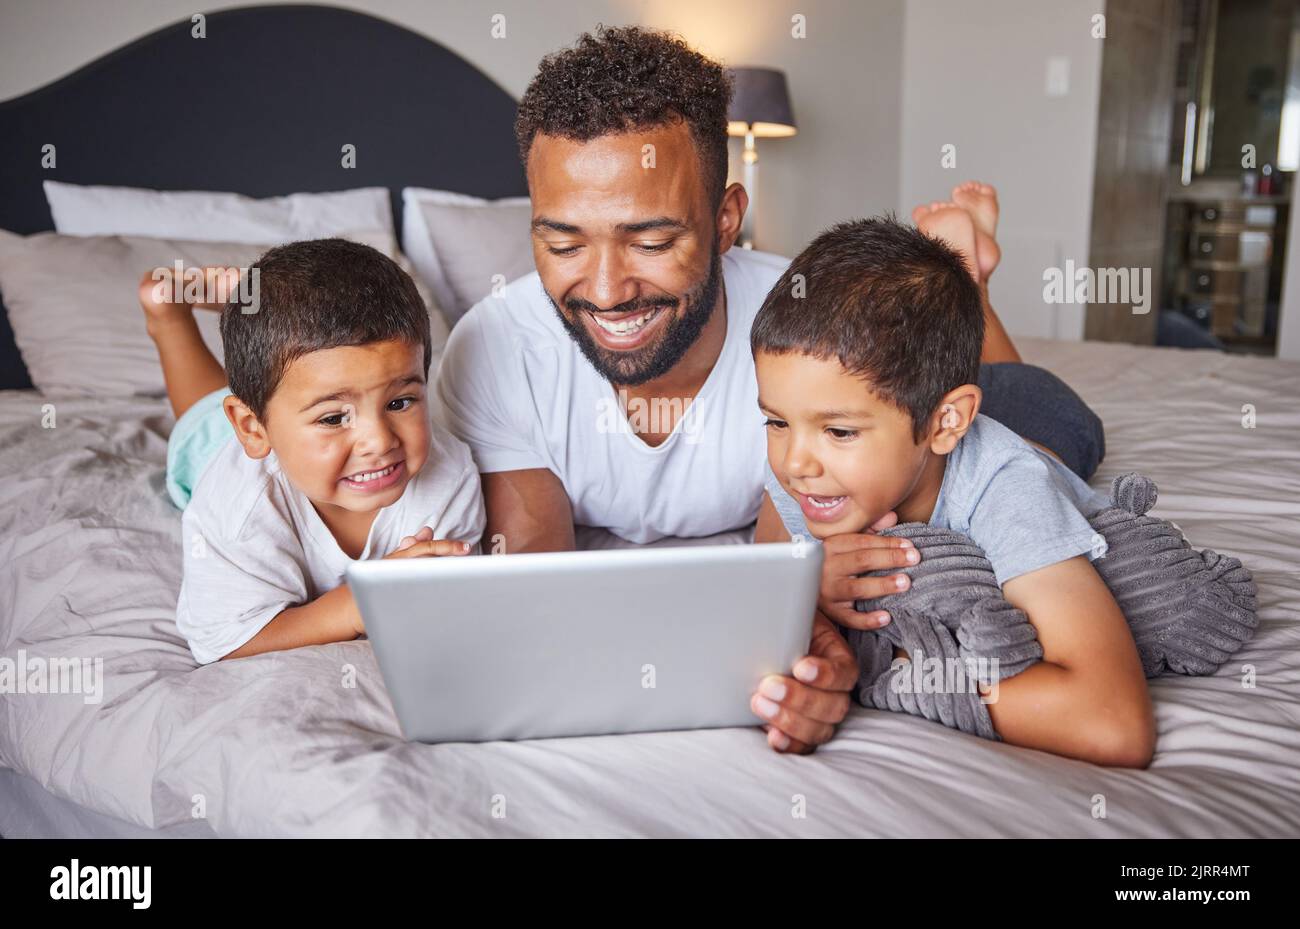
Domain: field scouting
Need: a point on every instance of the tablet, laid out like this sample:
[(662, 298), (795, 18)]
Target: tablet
[(488, 647)]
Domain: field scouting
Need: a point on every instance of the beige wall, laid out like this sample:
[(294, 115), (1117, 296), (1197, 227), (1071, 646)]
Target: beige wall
[(844, 77), (878, 86), (975, 76), (1288, 321), (1132, 176)]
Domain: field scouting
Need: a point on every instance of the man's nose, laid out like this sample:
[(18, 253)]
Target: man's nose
[(609, 284)]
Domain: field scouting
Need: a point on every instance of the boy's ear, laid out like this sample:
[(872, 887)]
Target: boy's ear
[(957, 410), (248, 428)]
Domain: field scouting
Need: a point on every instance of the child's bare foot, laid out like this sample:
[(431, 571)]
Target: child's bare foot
[(981, 201), (951, 224), (954, 225), (164, 299)]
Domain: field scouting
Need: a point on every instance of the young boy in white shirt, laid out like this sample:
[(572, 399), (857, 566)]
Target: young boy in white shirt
[(321, 450)]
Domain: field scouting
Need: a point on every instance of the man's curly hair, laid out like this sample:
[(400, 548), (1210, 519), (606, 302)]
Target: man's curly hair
[(627, 78)]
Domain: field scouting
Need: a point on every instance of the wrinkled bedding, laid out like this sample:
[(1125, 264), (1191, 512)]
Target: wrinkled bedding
[(306, 742)]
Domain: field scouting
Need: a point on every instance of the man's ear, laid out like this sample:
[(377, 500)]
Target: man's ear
[(731, 213), (957, 410), (248, 428)]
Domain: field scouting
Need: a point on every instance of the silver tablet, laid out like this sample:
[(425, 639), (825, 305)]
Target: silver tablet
[(480, 648)]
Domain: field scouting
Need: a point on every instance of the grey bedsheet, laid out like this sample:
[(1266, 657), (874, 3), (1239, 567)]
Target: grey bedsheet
[(281, 745)]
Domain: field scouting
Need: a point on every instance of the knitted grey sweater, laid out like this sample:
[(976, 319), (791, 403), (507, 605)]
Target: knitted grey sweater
[(1189, 611)]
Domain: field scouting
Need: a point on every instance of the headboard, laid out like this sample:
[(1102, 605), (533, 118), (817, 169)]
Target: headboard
[(261, 106)]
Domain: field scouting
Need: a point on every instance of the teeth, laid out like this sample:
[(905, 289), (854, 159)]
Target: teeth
[(363, 477), (626, 326), (830, 502)]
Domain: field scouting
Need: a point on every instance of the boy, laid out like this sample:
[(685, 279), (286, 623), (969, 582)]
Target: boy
[(867, 379), (320, 451)]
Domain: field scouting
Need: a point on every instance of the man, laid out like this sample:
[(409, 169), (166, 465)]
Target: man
[(615, 387)]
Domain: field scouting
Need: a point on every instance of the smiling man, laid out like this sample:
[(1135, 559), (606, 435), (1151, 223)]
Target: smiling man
[(640, 301)]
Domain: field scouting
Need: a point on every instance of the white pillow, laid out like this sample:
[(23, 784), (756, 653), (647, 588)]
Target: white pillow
[(76, 318), (72, 304), (462, 245), (215, 217), (361, 215)]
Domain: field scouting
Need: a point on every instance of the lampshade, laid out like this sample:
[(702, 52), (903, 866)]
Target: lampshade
[(761, 103)]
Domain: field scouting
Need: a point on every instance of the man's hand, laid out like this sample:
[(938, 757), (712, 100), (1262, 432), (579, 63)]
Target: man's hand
[(424, 545), (851, 554), (802, 711)]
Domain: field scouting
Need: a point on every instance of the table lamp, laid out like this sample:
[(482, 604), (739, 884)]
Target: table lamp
[(760, 108)]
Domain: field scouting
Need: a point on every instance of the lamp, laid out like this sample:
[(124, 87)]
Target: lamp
[(760, 108)]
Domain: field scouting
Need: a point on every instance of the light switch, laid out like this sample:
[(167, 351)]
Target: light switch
[(1058, 76)]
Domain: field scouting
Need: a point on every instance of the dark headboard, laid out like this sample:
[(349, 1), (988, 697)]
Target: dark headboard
[(262, 106)]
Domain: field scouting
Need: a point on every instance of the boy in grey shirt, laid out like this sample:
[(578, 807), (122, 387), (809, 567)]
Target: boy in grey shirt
[(867, 355), (1022, 506)]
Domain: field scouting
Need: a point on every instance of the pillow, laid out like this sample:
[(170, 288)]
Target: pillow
[(76, 319), (459, 244), (215, 217), (362, 215), (73, 308)]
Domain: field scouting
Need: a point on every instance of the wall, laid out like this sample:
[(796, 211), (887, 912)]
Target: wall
[(844, 76), (975, 76), (1132, 177), (878, 86), (1288, 320)]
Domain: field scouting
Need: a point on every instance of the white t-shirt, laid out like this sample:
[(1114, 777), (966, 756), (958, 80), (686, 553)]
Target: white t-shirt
[(254, 545), (516, 387)]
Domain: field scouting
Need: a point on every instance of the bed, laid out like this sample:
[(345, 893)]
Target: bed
[(305, 743)]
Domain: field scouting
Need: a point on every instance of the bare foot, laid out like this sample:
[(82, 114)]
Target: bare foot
[(163, 296), (981, 201), (953, 226)]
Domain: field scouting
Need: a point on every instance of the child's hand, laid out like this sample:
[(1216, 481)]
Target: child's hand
[(159, 285), (855, 553), (424, 545)]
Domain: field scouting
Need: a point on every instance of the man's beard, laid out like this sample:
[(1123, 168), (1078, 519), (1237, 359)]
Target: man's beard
[(632, 368)]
